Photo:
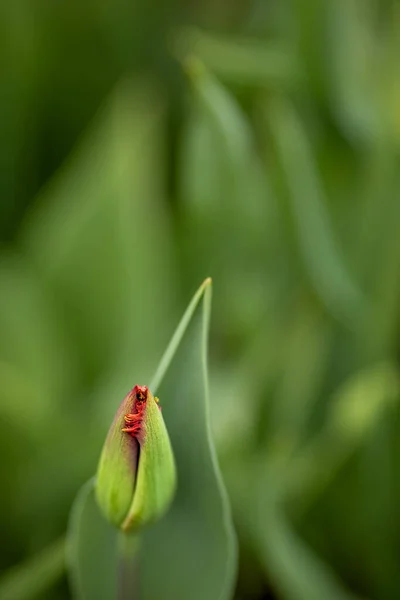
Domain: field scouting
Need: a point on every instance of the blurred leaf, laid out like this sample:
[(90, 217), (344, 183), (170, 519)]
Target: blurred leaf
[(379, 208), (353, 68), (303, 368), (377, 247), (196, 536), (100, 237), (35, 576), (296, 571), (92, 548), (292, 568), (94, 258), (35, 348), (21, 62), (308, 37), (322, 258), (220, 168), (240, 60), (244, 168), (354, 411), (231, 123)]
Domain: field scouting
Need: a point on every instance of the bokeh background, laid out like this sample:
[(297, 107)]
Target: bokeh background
[(145, 146)]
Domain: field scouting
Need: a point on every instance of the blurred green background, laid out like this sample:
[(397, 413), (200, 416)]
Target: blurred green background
[(147, 146)]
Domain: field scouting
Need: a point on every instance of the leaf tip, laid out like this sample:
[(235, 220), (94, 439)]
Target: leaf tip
[(193, 67)]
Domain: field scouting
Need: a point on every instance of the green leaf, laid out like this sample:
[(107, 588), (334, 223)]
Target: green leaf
[(191, 552), (353, 68), (229, 127), (353, 415), (92, 545), (35, 576), (240, 60), (302, 369), (218, 140), (86, 237), (296, 571), (35, 353), (322, 256)]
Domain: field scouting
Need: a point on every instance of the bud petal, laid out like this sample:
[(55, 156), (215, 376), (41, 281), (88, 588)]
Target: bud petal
[(136, 476), (116, 473), (156, 475)]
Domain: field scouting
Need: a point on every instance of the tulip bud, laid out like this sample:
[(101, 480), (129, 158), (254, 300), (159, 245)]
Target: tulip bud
[(136, 476)]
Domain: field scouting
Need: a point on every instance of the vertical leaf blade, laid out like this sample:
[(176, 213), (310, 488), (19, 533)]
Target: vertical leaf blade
[(196, 536)]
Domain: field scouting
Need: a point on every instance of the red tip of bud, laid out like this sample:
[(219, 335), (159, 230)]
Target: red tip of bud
[(140, 392), (134, 420)]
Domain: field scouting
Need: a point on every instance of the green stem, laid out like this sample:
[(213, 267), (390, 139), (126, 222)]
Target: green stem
[(128, 575)]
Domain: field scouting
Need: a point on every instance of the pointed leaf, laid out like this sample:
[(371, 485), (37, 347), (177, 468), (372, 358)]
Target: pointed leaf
[(196, 536)]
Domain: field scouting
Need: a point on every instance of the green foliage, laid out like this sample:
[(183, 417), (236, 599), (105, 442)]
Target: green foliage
[(200, 509), (141, 151), (35, 576)]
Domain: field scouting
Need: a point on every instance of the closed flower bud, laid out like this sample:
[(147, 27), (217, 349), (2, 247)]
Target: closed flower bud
[(136, 476)]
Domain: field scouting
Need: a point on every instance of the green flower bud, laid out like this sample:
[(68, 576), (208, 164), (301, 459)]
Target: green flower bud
[(136, 476)]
